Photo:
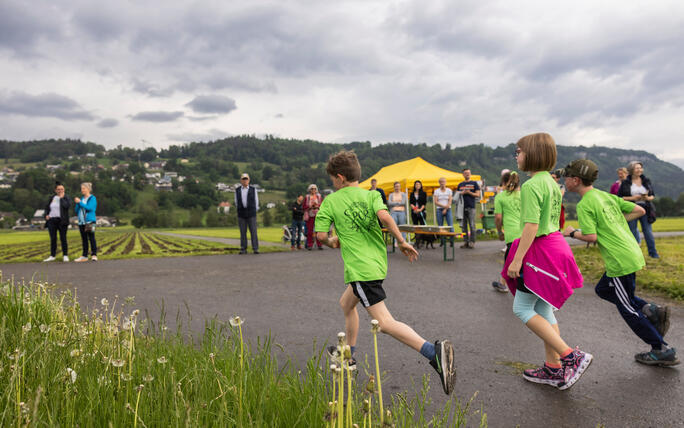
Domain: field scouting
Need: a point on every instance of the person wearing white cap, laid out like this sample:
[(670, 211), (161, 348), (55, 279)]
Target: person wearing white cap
[(247, 203)]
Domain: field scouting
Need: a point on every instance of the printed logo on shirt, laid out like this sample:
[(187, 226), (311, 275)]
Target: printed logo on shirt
[(611, 212), (555, 210), (358, 216)]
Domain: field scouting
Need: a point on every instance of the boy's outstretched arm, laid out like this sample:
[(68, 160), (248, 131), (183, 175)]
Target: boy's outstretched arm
[(404, 246), (635, 214)]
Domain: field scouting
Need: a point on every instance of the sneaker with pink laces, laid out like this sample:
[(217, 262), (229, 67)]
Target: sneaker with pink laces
[(574, 365), (545, 375)]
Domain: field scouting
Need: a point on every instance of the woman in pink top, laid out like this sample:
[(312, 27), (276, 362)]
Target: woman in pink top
[(312, 203), (622, 175)]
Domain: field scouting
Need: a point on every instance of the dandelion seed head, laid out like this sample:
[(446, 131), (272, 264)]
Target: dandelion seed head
[(148, 378), (118, 362), (71, 374), (126, 377), (104, 302), (27, 327), (236, 321), (43, 328), (333, 367), (75, 353), (135, 313), (139, 387), (162, 360)]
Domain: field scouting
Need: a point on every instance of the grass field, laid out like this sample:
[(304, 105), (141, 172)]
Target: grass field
[(268, 234), (22, 247), (663, 224), (108, 366), (664, 275)]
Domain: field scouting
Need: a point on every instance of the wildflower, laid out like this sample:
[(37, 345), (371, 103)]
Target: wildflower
[(139, 387), (164, 328), (375, 326), (128, 324), (43, 328), (129, 407), (162, 360), (60, 343), (27, 327), (148, 378), (118, 363), (104, 302), (212, 356), (72, 374), (75, 353), (135, 313), (236, 321), (126, 377)]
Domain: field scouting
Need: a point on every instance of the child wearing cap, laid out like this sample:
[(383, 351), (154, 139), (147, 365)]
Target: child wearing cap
[(603, 219), (355, 213)]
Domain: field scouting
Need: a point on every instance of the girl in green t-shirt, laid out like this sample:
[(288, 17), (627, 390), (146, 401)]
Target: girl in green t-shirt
[(540, 210), (507, 215)]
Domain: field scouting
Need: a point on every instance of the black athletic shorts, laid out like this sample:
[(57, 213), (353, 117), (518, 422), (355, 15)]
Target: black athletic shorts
[(368, 292)]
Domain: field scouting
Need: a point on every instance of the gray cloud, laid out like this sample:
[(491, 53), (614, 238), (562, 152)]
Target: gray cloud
[(107, 123), (157, 116), (43, 105), (22, 25), (212, 104)]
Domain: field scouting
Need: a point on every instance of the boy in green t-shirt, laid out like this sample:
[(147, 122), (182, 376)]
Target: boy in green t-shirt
[(355, 213), (601, 220)]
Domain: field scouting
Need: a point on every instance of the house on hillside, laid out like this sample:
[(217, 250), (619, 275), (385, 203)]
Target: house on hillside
[(171, 174), (53, 168), (164, 184), (155, 165), (152, 178), (38, 218), (223, 207)]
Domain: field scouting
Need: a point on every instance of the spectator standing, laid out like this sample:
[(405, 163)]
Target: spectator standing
[(85, 211), (57, 220), (622, 175), (442, 198), (312, 203), (247, 203), (418, 200), (637, 188), (470, 191), (396, 202), (374, 186), (297, 222)]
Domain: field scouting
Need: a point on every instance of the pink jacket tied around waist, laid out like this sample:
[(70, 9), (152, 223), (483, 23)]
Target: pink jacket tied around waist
[(549, 269)]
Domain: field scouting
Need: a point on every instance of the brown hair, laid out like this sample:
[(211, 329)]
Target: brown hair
[(630, 167), (346, 164), (510, 181), (540, 152)]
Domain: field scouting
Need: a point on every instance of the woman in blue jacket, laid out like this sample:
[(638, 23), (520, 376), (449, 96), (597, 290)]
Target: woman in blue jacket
[(85, 210)]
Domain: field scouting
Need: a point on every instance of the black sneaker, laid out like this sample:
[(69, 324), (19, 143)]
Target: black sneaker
[(501, 288), (659, 316), (443, 363), (335, 357), (663, 357)]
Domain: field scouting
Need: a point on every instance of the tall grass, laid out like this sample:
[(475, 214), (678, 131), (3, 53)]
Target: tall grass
[(62, 367)]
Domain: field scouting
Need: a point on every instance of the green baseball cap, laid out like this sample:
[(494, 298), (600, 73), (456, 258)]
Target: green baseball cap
[(581, 168)]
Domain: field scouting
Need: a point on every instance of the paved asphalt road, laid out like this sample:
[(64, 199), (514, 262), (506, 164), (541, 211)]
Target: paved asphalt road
[(294, 296)]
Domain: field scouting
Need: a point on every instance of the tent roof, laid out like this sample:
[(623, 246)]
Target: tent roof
[(408, 171)]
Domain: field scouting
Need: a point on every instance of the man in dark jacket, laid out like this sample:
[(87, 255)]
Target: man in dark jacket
[(247, 203), (297, 222), (57, 220)]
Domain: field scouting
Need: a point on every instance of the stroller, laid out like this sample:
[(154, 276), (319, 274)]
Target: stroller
[(288, 231)]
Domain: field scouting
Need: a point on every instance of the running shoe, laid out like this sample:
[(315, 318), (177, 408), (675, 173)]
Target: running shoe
[(545, 375), (501, 288), (335, 357), (662, 357), (659, 316), (573, 366), (94, 258), (81, 259), (65, 258), (443, 363), (50, 259)]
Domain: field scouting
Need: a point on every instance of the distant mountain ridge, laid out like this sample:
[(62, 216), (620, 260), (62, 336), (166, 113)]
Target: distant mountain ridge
[(294, 155)]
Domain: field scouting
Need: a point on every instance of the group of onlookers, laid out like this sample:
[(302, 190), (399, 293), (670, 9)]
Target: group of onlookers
[(57, 221), (304, 211), (632, 185)]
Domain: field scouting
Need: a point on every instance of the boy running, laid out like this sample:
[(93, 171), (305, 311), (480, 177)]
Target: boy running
[(601, 220), (355, 213)]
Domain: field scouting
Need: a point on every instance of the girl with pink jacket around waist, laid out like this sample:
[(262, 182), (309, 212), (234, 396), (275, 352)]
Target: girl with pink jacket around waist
[(540, 268)]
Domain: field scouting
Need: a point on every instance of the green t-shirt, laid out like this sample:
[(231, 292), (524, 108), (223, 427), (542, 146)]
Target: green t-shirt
[(540, 198), (508, 205), (353, 211), (602, 213)]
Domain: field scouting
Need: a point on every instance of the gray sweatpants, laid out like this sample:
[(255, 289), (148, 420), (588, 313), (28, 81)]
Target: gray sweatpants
[(468, 222), (244, 223)]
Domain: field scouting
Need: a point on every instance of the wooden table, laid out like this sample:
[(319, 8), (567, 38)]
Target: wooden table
[(446, 236)]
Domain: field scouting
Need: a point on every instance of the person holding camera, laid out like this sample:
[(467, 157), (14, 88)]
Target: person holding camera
[(637, 188), (57, 220)]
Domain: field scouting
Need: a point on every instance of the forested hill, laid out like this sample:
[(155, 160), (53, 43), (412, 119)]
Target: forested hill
[(289, 163), (293, 155)]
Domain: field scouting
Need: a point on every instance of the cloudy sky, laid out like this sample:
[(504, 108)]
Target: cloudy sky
[(459, 72)]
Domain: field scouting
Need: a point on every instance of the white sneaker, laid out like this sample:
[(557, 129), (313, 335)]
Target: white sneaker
[(50, 259), (93, 258), (65, 258), (81, 259)]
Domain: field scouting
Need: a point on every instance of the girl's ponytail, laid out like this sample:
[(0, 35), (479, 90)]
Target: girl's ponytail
[(510, 181)]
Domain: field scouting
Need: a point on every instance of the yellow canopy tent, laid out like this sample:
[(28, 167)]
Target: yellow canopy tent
[(407, 172)]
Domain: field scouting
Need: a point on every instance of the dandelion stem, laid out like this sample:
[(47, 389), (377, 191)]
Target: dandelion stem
[(340, 405), (137, 401), (241, 376), (377, 371), (349, 396)]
